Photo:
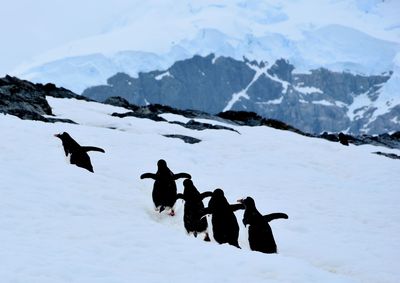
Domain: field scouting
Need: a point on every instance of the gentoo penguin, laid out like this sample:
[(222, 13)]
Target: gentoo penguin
[(77, 154), (193, 208), (260, 234), (164, 188), (224, 224)]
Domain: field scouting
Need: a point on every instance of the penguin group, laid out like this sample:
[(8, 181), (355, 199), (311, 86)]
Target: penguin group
[(225, 226), (224, 223)]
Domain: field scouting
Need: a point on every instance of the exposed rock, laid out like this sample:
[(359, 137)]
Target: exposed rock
[(386, 140), (390, 155), (193, 125), (119, 102), (152, 112), (140, 114), (186, 139), (253, 119), (23, 99), (313, 102), (27, 100), (343, 139)]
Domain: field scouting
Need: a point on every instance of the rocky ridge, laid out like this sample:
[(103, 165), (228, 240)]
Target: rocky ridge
[(28, 101), (314, 102)]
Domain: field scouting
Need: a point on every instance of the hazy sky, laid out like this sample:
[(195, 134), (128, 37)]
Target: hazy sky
[(30, 27)]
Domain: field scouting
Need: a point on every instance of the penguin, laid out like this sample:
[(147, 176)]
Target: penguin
[(261, 238), (164, 188), (224, 223), (343, 139), (76, 153), (193, 209)]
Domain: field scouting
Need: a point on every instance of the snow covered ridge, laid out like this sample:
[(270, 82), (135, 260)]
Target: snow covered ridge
[(358, 37), (61, 223), (29, 101), (314, 102), (310, 34)]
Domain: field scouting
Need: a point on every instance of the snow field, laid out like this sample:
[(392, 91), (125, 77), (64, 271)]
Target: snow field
[(61, 223)]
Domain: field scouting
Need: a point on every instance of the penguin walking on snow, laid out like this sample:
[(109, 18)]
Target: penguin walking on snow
[(77, 154), (260, 234), (193, 209), (164, 188), (224, 223)]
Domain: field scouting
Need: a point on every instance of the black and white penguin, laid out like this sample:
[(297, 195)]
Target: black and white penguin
[(193, 209), (224, 223), (77, 154), (260, 234), (164, 188)]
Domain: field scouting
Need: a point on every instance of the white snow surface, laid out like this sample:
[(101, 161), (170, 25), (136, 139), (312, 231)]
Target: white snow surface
[(61, 223), (161, 76), (133, 36), (307, 89)]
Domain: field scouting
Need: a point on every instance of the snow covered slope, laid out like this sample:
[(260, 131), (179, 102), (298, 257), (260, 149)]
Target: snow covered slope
[(60, 223), (358, 35)]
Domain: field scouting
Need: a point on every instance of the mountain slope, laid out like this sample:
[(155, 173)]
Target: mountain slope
[(310, 34), (314, 102), (63, 224)]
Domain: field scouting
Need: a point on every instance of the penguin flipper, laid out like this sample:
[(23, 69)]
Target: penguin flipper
[(148, 176), (182, 175), (180, 196), (204, 212), (273, 216), (206, 194), (237, 206), (92, 148)]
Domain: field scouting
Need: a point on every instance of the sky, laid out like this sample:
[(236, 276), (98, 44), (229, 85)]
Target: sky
[(33, 28)]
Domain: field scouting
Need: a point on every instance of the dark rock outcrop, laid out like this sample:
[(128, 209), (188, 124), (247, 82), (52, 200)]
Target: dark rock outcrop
[(253, 119), (186, 139), (194, 125), (313, 102), (27, 100), (390, 155), (152, 112)]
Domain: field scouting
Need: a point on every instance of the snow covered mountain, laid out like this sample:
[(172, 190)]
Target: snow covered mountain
[(60, 223), (314, 102), (357, 35), (361, 37)]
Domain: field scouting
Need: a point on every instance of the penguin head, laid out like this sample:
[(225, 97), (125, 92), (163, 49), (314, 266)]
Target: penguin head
[(68, 142), (161, 164), (218, 193), (219, 196), (187, 183), (63, 135), (218, 200), (248, 202), (189, 190)]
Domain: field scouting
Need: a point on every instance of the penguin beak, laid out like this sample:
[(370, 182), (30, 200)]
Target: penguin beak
[(57, 135), (240, 200)]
